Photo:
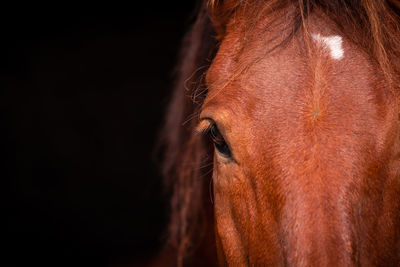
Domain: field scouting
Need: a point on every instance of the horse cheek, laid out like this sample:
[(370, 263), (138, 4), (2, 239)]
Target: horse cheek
[(229, 208)]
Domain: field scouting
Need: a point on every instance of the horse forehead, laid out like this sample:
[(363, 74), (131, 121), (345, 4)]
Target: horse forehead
[(245, 79), (286, 89), (239, 64), (238, 54), (333, 43)]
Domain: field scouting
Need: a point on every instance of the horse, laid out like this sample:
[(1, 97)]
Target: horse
[(281, 139)]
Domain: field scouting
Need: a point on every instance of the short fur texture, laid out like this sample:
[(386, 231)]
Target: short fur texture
[(370, 28)]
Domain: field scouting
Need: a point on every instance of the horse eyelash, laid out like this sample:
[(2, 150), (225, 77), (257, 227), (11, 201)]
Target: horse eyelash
[(204, 127)]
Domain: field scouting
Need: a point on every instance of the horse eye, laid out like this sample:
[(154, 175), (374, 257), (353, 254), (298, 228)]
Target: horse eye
[(219, 142)]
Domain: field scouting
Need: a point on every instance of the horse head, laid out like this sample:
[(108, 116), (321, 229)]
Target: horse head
[(301, 106)]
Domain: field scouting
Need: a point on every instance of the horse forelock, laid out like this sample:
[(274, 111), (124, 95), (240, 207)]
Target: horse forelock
[(370, 25)]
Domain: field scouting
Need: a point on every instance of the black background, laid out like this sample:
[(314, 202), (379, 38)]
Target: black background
[(82, 96)]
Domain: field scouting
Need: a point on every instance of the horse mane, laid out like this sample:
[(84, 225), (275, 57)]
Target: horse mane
[(373, 25)]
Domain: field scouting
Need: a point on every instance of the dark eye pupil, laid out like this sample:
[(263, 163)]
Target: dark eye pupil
[(214, 132), (223, 149), (219, 142)]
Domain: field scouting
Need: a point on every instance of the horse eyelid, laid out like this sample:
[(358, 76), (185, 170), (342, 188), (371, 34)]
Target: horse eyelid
[(203, 126)]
